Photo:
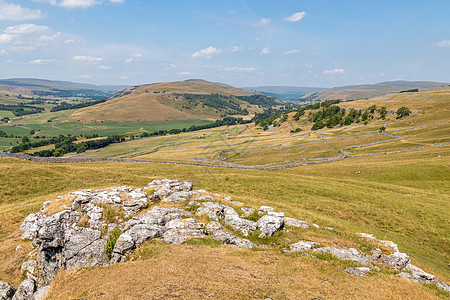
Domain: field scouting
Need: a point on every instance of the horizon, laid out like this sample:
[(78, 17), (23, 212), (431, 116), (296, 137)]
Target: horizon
[(240, 43)]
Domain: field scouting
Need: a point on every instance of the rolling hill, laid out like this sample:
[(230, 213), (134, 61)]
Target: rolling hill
[(181, 100), (286, 92), (365, 91)]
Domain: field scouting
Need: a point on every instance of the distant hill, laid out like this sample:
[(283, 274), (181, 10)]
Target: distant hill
[(366, 91), (33, 87), (180, 100), (286, 92)]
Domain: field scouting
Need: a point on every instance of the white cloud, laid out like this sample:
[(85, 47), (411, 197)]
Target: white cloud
[(25, 28), (2, 51), (49, 38), (69, 41), (89, 59), (207, 52), (262, 22), (186, 73), (16, 12), (117, 1), (40, 61), (5, 38), (235, 49), (295, 17), (84, 76), (123, 77), (334, 71), (103, 67), (129, 60), (265, 50), (240, 69), (136, 55), (444, 43), (293, 51)]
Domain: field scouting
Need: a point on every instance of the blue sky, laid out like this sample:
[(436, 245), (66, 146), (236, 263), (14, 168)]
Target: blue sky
[(322, 43)]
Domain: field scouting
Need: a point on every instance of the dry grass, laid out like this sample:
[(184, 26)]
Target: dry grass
[(59, 205), (199, 272)]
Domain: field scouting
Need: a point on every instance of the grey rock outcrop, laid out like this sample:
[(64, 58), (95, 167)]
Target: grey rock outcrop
[(270, 223), (41, 293), (6, 291), (25, 291), (350, 254), (217, 232), (396, 260), (179, 230), (303, 246), (295, 223)]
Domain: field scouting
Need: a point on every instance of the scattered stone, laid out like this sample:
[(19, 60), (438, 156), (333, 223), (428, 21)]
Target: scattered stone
[(350, 254), (247, 211), (396, 260), (179, 230), (18, 247), (41, 293), (25, 290), (29, 269), (419, 273), (270, 223), (263, 209), (217, 232), (315, 225), (295, 223), (303, 246), (408, 276), (6, 290), (361, 271)]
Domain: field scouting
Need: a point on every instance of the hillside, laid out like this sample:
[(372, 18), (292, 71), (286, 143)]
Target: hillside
[(32, 87), (182, 100), (286, 92), (365, 91)]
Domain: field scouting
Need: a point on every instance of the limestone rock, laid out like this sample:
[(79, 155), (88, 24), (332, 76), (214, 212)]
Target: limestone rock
[(303, 246), (442, 285), (270, 223), (350, 254), (6, 291), (418, 273), (295, 223), (360, 271), (29, 268), (30, 226), (247, 211), (41, 293), (25, 290), (263, 209), (408, 276), (396, 260), (177, 197), (179, 230), (217, 232)]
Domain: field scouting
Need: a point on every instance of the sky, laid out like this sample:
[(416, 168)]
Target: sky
[(314, 43)]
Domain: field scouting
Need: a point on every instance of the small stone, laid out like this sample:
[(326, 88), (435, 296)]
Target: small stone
[(25, 290), (295, 223), (358, 271), (263, 209), (303, 246)]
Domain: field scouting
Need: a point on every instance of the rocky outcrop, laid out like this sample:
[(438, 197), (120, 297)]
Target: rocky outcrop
[(6, 291), (102, 227)]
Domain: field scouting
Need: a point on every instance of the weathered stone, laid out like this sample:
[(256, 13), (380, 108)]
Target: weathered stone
[(179, 230), (247, 211), (396, 260), (263, 209), (212, 209), (303, 246), (442, 285), (408, 276), (358, 271), (232, 218), (217, 232), (177, 197), (418, 273), (30, 226), (41, 293), (29, 269), (6, 291), (270, 223), (295, 223), (350, 254), (25, 290)]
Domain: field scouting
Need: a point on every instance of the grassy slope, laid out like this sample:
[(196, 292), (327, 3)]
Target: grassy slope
[(386, 198), (147, 102)]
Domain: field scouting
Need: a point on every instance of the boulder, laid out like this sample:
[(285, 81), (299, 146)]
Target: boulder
[(295, 223), (303, 246), (25, 290), (419, 274), (247, 211), (217, 232), (263, 209), (41, 293), (350, 254), (408, 276), (6, 291), (29, 269), (396, 260), (177, 197), (270, 223), (179, 230)]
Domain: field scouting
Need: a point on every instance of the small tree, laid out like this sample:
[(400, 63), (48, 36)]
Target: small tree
[(403, 112)]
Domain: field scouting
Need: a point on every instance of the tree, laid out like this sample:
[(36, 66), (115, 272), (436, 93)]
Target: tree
[(25, 140), (383, 112), (403, 112)]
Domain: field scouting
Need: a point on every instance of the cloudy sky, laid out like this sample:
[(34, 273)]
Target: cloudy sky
[(240, 42)]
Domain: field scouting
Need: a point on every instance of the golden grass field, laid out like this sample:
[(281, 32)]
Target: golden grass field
[(403, 197)]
